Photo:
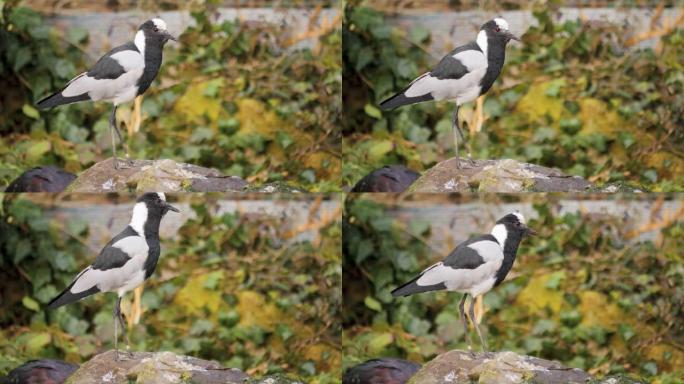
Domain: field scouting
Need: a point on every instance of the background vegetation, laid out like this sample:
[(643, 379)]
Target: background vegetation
[(588, 291), (240, 97), (235, 288), (580, 96)]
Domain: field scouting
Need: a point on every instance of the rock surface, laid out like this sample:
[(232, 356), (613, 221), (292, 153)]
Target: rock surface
[(458, 367), (154, 368), (500, 176), (154, 175)]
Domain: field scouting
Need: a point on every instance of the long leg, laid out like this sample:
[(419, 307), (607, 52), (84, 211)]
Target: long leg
[(477, 327), (112, 123), (112, 129), (457, 132), (116, 326), (123, 326), (461, 310)]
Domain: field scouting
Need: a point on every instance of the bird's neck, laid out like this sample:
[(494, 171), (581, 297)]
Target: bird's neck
[(152, 228), (496, 55), (509, 242), (152, 55), (144, 223)]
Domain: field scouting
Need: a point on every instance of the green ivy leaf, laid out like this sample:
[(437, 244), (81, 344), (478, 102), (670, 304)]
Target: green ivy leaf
[(31, 304), (372, 304)]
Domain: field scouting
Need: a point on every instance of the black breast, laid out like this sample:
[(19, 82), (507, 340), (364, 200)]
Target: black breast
[(153, 60), (496, 54)]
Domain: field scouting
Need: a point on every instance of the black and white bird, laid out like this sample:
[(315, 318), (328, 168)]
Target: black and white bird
[(461, 76), (125, 262), (119, 76), (474, 267)]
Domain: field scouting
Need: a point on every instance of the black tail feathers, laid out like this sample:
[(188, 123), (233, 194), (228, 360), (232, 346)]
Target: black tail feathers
[(66, 297), (411, 287), (57, 99), (400, 99)]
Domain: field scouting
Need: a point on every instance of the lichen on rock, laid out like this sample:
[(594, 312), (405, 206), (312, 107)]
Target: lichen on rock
[(153, 368), (458, 367), (499, 176), (154, 175)]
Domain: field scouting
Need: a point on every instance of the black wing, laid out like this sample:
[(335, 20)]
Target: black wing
[(464, 257), (451, 68), (108, 68), (112, 257)]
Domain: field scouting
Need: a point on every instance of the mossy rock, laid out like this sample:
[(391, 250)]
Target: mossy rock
[(274, 379), (497, 176), (616, 379), (461, 367), (153, 368), (153, 176)]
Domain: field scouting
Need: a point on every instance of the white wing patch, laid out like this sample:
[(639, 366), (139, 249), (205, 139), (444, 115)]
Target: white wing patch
[(122, 279), (488, 250), (84, 281), (119, 90), (129, 60), (134, 246), (473, 60)]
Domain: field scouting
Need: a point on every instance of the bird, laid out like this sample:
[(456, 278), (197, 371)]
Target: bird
[(42, 179), (462, 76), (390, 178), (386, 370), (125, 262), (119, 76), (44, 371), (474, 267)]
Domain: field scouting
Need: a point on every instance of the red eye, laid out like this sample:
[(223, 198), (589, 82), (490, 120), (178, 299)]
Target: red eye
[(498, 29)]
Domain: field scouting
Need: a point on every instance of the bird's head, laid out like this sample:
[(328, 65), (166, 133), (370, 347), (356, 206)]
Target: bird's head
[(155, 202), (515, 224), (497, 29), (155, 30)]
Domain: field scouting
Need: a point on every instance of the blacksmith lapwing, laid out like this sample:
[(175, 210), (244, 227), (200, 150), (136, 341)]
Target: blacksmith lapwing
[(125, 262), (119, 76), (474, 267), (461, 76)]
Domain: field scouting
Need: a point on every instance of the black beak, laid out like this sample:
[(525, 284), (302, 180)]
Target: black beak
[(170, 207), (511, 36), (531, 232), (170, 36)]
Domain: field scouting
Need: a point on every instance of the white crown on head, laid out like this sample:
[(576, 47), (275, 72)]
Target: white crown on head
[(503, 24), (519, 215), (159, 23)]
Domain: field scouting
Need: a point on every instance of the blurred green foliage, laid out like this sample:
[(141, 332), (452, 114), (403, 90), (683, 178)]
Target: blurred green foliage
[(572, 95), (234, 288), (584, 292), (245, 98)]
